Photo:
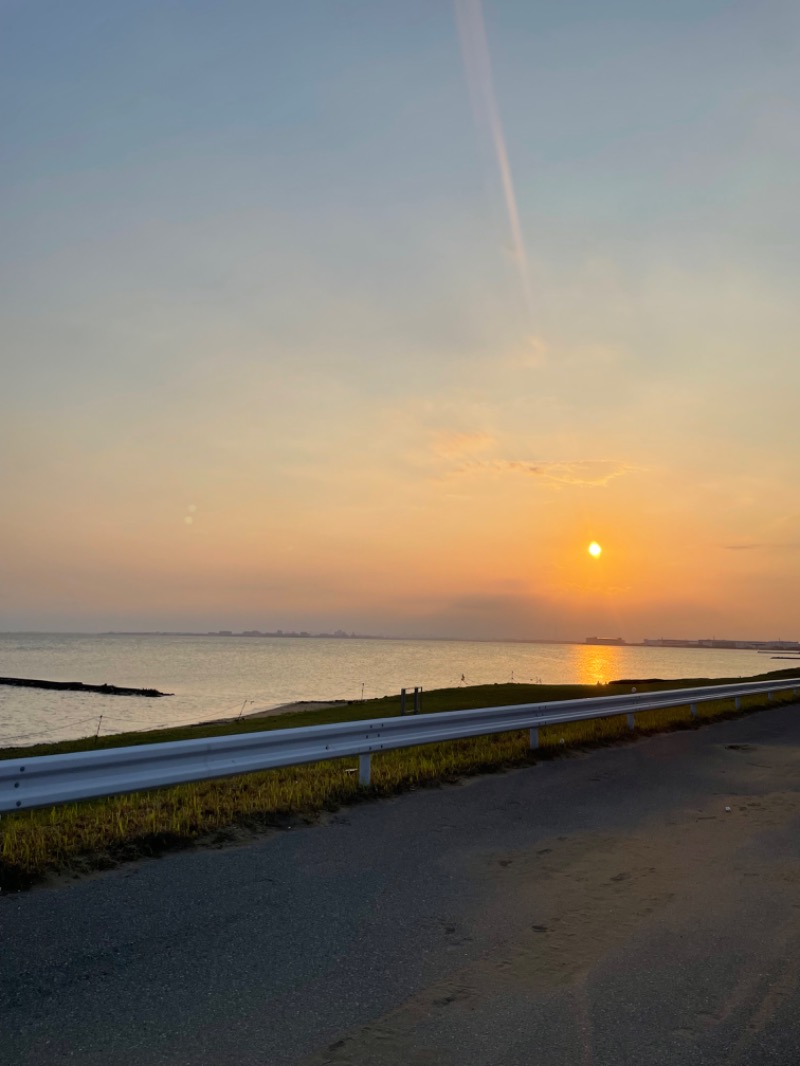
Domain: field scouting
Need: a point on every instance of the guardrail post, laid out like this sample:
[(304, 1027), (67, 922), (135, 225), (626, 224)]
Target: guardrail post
[(365, 769), (693, 710), (402, 702), (737, 702), (794, 692), (534, 738), (417, 699), (769, 697), (631, 722)]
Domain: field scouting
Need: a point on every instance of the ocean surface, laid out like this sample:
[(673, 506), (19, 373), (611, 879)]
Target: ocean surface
[(214, 677)]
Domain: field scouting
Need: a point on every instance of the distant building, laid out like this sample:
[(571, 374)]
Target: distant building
[(668, 642), (605, 640), (746, 645)]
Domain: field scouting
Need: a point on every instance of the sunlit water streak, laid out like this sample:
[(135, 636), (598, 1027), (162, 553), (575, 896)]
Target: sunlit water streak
[(213, 677)]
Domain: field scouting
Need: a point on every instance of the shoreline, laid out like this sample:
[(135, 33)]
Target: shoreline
[(296, 707), (95, 836)]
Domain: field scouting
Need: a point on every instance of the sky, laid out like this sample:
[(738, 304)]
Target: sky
[(373, 315)]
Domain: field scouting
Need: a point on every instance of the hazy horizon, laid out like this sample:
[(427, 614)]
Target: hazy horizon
[(373, 317), (586, 641)]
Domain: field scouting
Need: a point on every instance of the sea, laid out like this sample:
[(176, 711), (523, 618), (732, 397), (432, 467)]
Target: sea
[(211, 677)]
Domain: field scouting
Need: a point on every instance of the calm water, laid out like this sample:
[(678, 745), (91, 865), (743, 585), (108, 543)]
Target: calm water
[(213, 677)]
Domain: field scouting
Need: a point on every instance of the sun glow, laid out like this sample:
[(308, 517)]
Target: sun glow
[(595, 549)]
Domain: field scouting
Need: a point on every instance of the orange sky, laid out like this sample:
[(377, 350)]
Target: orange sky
[(285, 353)]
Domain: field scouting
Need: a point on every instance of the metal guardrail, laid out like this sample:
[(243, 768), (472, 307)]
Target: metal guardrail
[(47, 780)]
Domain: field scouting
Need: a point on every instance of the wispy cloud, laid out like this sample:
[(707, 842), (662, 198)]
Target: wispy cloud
[(788, 545), (475, 49), (532, 354), (452, 444), (593, 472)]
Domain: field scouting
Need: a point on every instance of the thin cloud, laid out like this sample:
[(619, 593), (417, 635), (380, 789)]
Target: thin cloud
[(788, 545), (478, 66), (532, 354), (592, 472), (455, 445)]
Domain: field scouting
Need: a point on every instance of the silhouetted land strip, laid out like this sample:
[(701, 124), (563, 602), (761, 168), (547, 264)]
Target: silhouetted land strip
[(79, 686)]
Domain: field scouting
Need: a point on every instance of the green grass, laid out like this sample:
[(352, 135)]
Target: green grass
[(77, 838), (434, 702)]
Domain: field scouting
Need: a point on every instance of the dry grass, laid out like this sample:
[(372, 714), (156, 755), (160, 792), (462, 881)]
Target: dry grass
[(102, 833)]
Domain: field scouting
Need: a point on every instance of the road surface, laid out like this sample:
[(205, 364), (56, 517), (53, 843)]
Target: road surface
[(594, 910)]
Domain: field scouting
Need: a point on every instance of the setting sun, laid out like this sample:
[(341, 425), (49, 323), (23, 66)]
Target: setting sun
[(595, 549)]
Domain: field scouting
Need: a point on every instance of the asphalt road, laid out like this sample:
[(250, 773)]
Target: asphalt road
[(595, 910)]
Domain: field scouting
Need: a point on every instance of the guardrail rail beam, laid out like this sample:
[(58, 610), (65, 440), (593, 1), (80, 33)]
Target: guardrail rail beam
[(47, 780)]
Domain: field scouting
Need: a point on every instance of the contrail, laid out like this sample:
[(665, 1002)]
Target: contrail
[(475, 49)]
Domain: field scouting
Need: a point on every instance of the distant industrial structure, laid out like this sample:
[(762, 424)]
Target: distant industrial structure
[(670, 642), (748, 645)]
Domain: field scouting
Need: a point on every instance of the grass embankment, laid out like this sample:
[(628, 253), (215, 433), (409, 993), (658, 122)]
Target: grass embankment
[(78, 838)]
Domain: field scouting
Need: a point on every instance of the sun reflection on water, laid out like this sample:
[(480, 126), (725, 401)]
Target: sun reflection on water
[(596, 665)]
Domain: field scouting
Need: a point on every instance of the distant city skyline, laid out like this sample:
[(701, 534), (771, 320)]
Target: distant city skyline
[(375, 317), (716, 643)]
